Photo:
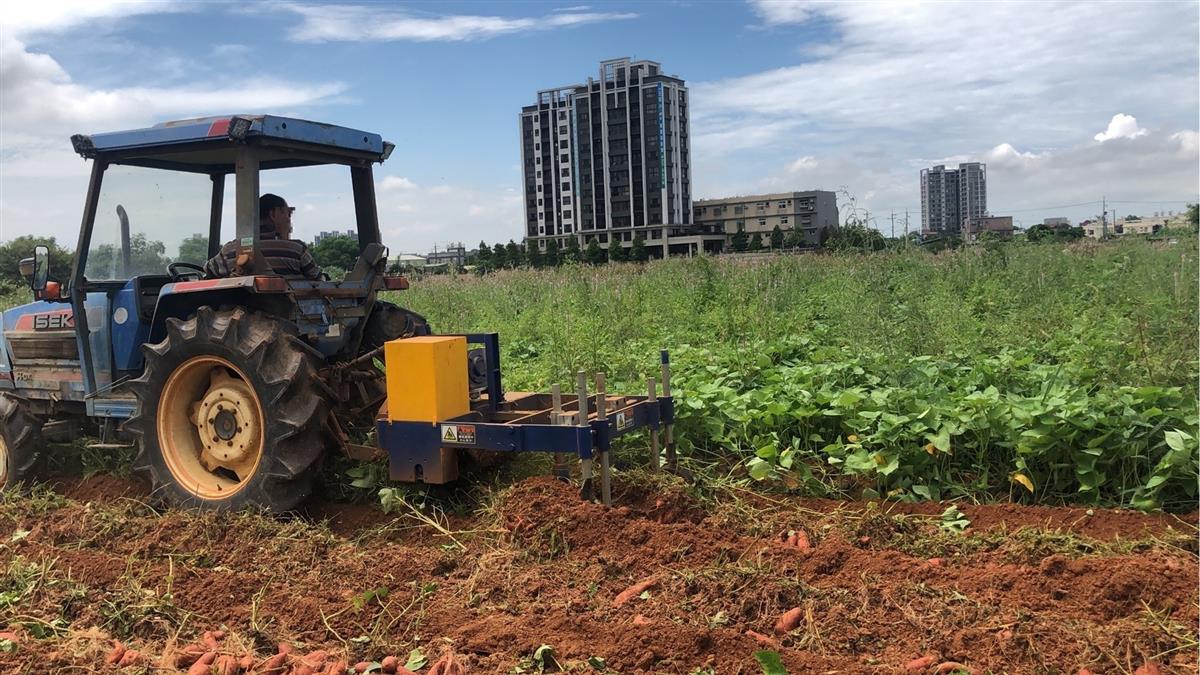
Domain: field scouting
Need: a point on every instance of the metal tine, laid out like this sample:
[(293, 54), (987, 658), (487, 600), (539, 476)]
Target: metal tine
[(605, 463), (561, 470), (652, 386), (585, 465), (665, 358)]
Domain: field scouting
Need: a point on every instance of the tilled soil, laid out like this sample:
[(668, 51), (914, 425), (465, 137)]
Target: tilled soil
[(666, 581)]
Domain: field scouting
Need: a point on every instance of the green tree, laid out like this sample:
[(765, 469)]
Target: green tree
[(194, 249), (637, 251), (594, 255), (534, 256), (499, 257), (515, 254), (617, 252), (756, 242), (146, 256), (552, 256), (573, 252), (1193, 214), (483, 256), (793, 239), (337, 251), (739, 241), (13, 251), (776, 238)]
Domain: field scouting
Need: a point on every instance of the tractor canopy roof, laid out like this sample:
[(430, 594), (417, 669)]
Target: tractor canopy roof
[(212, 144)]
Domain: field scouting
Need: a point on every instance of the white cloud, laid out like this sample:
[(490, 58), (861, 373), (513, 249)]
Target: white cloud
[(396, 183), (878, 91), (340, 23), (25, 18), (779, 12), (806, 163), (1189, 142), (1121, 126)]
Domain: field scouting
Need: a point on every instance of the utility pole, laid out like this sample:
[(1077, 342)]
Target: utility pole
[(906, 228), (1103, 217), (893, 223)]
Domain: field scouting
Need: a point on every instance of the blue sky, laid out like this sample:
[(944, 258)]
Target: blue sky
[(786, 95)]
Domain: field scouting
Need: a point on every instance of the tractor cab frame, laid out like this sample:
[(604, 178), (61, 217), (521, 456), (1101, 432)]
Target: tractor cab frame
[(330, 314)]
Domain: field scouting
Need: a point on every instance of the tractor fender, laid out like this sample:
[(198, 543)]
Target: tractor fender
[(183, 305)]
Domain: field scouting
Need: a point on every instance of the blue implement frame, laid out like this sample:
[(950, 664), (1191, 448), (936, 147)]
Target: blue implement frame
[(522, 422)]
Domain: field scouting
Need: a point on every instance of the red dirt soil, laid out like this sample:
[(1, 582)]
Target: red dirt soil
[(881, 585)]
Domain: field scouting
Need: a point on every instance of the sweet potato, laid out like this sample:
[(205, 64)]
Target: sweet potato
[(337, 667), (789, 620), (390, 664), (639, 620), (448, 665), (247, 662), (920, 664), (634, 591), (132, 657), (362, 666), (203, 665), (212, 639), (9, 635), (273, 665), (1085, 671), (802, 541), (946, 667), (1148, 668), (226, 664), (935, 562), (188, 655), (114, 655), (764, 640)]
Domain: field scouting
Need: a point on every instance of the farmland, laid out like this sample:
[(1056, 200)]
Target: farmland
[(985, 457)]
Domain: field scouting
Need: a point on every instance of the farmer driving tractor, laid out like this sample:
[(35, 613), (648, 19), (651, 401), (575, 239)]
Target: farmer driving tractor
[(286, 256)]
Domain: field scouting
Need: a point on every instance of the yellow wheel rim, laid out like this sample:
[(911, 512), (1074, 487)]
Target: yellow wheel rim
[(210, 427), (3, 462)]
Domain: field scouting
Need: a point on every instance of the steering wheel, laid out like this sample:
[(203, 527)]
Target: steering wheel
[(192, 273)]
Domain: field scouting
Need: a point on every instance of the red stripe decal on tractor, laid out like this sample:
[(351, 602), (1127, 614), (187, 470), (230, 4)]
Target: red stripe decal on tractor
[(219, 127)]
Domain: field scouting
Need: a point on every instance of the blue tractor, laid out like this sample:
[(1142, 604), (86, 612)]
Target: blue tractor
[(231, 388), (234, 386)]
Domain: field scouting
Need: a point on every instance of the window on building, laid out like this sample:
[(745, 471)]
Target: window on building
[(538, 160), (739, 208), (783, 220), (566, 200), (562, 144), (562, 115), (537, 146), (539, 188), (783, 205), (762, 222), (566, 172), (539, 174)]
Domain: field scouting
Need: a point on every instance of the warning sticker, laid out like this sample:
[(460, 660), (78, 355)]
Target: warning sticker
[(466, 434), (623, 421), (463, 434)]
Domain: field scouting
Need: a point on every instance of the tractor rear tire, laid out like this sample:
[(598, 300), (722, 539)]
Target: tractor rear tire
[(22, 448), (231, 413), (389, 322)]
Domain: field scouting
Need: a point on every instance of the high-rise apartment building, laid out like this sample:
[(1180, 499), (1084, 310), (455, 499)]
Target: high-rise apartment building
[(609, 158), (949, 197)]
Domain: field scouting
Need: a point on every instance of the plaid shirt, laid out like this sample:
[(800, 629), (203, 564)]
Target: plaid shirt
[(287, 257)]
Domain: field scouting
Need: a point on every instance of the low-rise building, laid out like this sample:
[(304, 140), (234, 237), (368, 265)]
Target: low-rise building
[(452, 254), (998, 226), (1058, 223), (1096, 229), (807, 213), (325, 235)]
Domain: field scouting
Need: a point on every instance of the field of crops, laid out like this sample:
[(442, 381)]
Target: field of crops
[(1043, 373), (858, 429)]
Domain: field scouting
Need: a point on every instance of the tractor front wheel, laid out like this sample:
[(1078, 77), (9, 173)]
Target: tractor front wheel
[(22, 448), (231, 413)]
